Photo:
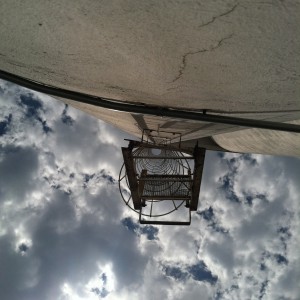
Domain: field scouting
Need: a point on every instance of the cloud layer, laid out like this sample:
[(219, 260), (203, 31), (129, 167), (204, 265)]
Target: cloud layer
[(65, 233)]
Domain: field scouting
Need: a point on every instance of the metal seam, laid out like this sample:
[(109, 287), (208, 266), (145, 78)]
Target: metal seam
[(146, 110)]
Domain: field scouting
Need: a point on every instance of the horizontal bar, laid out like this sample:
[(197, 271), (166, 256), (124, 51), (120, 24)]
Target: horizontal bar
[(152, 130), (146, 110), (136, 144), (165, 197), (157, 222), (167, 179), (163, 157), (167, 176), (142, 221)]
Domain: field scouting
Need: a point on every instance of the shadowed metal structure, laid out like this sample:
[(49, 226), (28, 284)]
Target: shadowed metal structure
[(156, 180)]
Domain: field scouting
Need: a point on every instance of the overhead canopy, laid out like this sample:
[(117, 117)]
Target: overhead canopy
[(224, 56)]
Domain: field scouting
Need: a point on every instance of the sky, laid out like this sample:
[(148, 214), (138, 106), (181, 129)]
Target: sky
[(66, 234)]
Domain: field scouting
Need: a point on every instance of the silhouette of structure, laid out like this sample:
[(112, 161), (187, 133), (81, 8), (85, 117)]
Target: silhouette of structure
[(159, 180)]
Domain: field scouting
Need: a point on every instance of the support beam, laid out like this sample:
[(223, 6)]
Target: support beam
[(136, 144), (162, 157), (164, 222), (153, 222), (131, 175), (170, 197), (141, 186), (199, 154)]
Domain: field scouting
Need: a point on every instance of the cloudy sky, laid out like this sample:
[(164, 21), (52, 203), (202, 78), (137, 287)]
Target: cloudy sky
[(65, 233)]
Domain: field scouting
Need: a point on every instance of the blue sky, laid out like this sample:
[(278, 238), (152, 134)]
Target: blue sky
[(65, 233)]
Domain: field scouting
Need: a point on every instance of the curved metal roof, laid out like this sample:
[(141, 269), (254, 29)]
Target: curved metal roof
[(231, 57)]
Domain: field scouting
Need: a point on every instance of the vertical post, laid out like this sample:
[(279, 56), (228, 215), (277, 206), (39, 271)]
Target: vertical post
[(190, 185), (199, 155), (180, 141), (141, 187), (131, 175)]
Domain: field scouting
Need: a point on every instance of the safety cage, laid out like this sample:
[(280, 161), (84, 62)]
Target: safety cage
[(157, 180)]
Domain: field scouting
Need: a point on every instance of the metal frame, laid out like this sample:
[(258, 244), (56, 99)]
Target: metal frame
[(183, 186), (165, 139), (199, 155), (154, 222)]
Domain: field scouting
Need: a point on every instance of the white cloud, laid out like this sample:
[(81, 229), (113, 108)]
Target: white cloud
[(62, 219)]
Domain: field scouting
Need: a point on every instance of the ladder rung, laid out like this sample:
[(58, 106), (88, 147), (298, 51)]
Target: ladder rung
[(165, 197)]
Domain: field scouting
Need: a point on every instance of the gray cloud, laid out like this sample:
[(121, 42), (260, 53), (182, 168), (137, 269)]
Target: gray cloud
[(17, 170), (65, 233)]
